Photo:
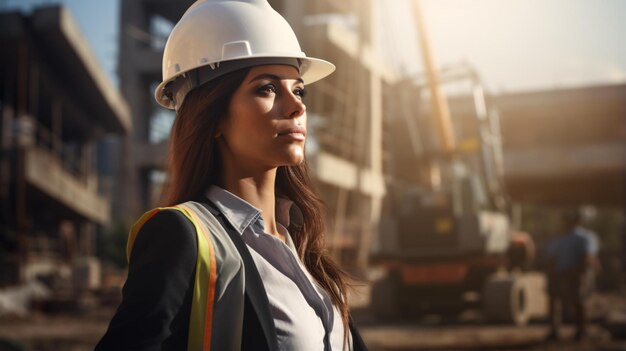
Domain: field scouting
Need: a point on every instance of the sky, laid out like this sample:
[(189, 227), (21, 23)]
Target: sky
[(514, 44)]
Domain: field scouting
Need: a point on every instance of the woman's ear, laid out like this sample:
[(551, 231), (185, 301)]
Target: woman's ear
[(219, 127)]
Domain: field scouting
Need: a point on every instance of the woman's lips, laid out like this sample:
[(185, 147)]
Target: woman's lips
[(297, 133)]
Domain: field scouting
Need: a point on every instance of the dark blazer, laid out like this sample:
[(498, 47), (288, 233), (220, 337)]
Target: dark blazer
[(156, 305)]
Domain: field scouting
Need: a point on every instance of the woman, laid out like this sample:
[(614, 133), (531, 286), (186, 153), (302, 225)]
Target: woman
[(235, 260)]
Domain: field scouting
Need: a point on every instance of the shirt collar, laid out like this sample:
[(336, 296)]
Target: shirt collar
[(241, 214)]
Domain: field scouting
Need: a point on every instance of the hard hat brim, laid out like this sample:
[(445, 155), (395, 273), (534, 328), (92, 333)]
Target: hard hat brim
[(311, 70), (317, 69)]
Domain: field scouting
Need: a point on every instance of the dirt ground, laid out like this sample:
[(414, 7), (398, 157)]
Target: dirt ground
[(45, 332), (481, 337)]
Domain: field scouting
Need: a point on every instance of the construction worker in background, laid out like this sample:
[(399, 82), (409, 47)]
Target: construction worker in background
[(571, 261), (235, 259)]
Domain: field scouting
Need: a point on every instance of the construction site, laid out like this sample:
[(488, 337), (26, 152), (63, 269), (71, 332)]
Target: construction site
[(441, 194)]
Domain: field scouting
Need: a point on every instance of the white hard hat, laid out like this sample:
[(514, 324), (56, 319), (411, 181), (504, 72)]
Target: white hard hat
[(215, 37)]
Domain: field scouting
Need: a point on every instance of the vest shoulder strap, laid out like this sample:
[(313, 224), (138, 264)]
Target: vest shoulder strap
[(201, 318)]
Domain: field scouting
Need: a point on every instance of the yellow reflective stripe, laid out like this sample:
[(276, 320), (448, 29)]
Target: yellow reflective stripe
[(200, 324), (134, 230), (200, 321)]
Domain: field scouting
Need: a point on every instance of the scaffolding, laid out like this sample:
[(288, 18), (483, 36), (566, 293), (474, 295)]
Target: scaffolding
[(56, 106)]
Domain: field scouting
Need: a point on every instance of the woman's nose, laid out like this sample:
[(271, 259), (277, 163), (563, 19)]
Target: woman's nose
[(295, 107)]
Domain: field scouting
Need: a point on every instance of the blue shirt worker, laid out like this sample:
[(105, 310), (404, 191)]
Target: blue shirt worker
[(571, 260)]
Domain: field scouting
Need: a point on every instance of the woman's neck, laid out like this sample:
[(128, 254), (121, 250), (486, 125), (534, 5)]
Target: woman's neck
[(258, 189)]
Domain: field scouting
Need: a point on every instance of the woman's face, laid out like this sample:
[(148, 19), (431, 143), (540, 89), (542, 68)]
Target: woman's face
[(266, 122)]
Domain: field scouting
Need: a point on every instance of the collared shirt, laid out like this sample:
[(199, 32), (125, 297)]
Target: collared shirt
[(303, 313)]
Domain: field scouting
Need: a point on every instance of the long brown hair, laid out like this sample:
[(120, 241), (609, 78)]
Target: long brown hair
[(193, 165)]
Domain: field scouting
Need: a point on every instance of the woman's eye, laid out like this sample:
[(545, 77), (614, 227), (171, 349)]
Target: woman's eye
[(267, 89), (301, 92)]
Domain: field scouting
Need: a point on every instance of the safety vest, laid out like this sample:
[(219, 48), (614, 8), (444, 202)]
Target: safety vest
[(221, 288), (203, 301)]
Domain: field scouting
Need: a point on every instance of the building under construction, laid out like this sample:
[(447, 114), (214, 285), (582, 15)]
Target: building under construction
[(345, 111), (57, 105)]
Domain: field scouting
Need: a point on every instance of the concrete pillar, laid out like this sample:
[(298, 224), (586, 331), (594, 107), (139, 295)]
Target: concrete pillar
[(57, 127), (21, 217), (127, 204), (86, 239), (376, 166), (6, 143), (375, 143)]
